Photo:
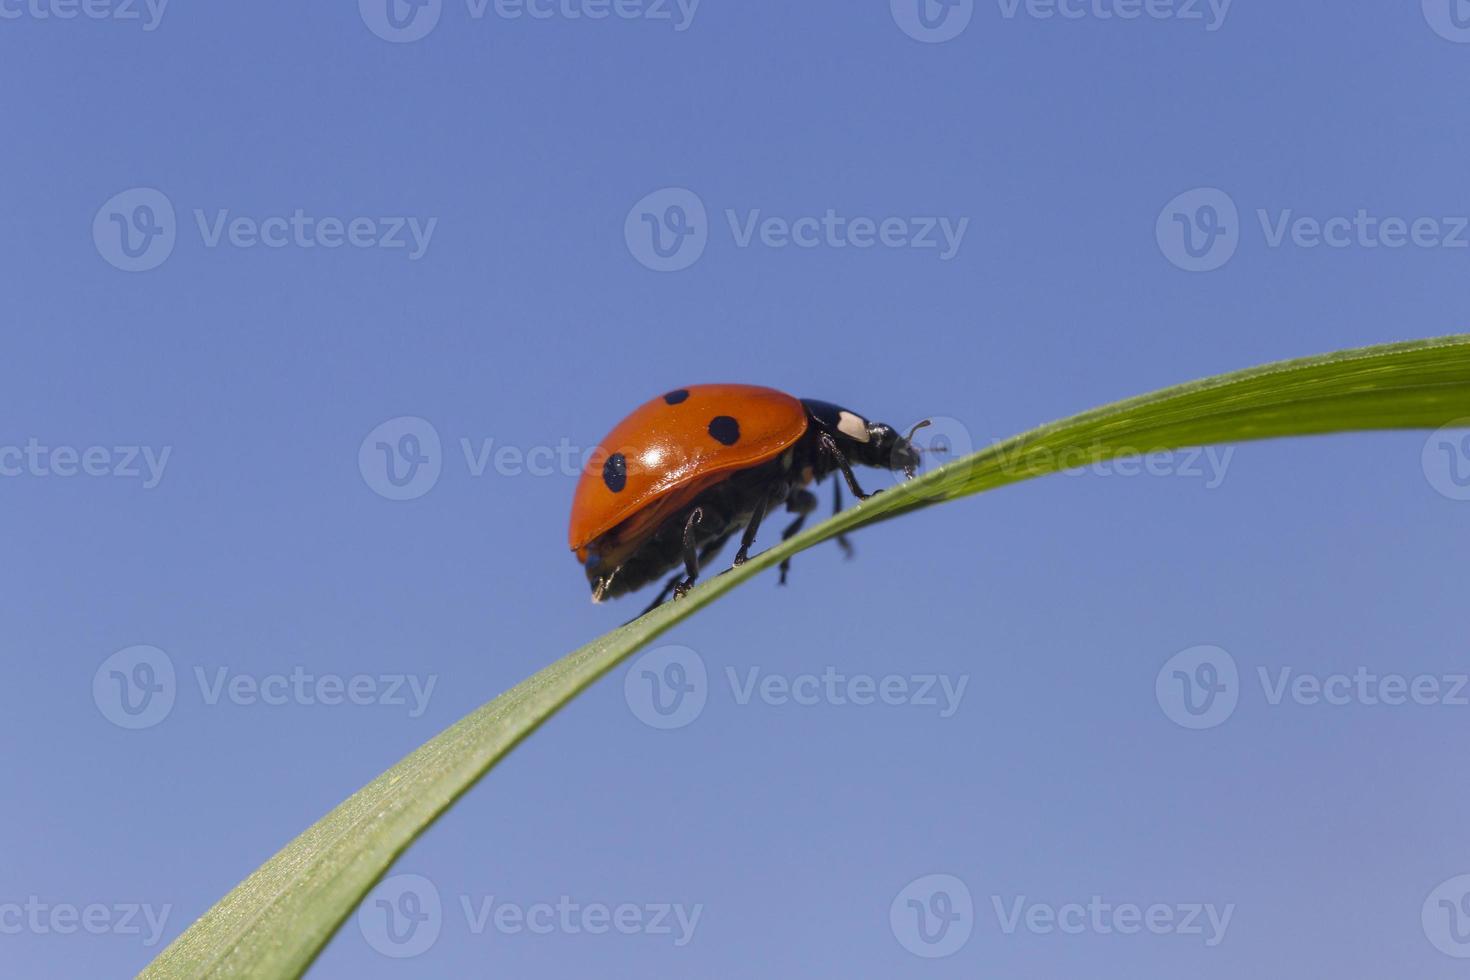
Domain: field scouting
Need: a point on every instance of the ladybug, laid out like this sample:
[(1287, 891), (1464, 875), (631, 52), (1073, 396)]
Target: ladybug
[(672, 482)]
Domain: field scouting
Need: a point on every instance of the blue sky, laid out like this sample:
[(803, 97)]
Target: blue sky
[(244, 245)]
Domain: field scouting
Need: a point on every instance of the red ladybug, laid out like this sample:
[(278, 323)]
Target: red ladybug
[(688, 469)]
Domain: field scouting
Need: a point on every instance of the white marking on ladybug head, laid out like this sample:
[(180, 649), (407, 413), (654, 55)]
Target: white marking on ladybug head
[(853, 427)]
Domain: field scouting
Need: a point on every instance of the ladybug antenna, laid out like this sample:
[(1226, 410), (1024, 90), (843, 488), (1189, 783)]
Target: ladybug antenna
[(912, 468)]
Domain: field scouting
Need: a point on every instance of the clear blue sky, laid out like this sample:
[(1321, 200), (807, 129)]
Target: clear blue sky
[(530, 312)]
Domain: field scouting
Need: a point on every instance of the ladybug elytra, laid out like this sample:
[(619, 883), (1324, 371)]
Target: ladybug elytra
[(672, 482)]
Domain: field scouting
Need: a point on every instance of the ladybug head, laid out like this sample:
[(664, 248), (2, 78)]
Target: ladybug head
[(869, 443)]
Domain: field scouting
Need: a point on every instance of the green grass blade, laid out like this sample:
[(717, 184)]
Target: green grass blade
[(276, 921)]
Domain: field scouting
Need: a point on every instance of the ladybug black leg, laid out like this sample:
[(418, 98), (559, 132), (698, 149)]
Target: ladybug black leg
[(748, 538), (829, 446), (800, 503), (705, 554), (663, 594), (842, 541), (691, 556)]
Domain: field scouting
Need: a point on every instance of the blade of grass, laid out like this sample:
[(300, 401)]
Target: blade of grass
[(277, 920)]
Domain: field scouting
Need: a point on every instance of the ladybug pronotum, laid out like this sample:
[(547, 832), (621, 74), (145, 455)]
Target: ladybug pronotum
[(672, 482)]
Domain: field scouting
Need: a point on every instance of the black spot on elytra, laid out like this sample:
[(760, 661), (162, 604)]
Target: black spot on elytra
[(725, 429), (675, 397), (615, 472)]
